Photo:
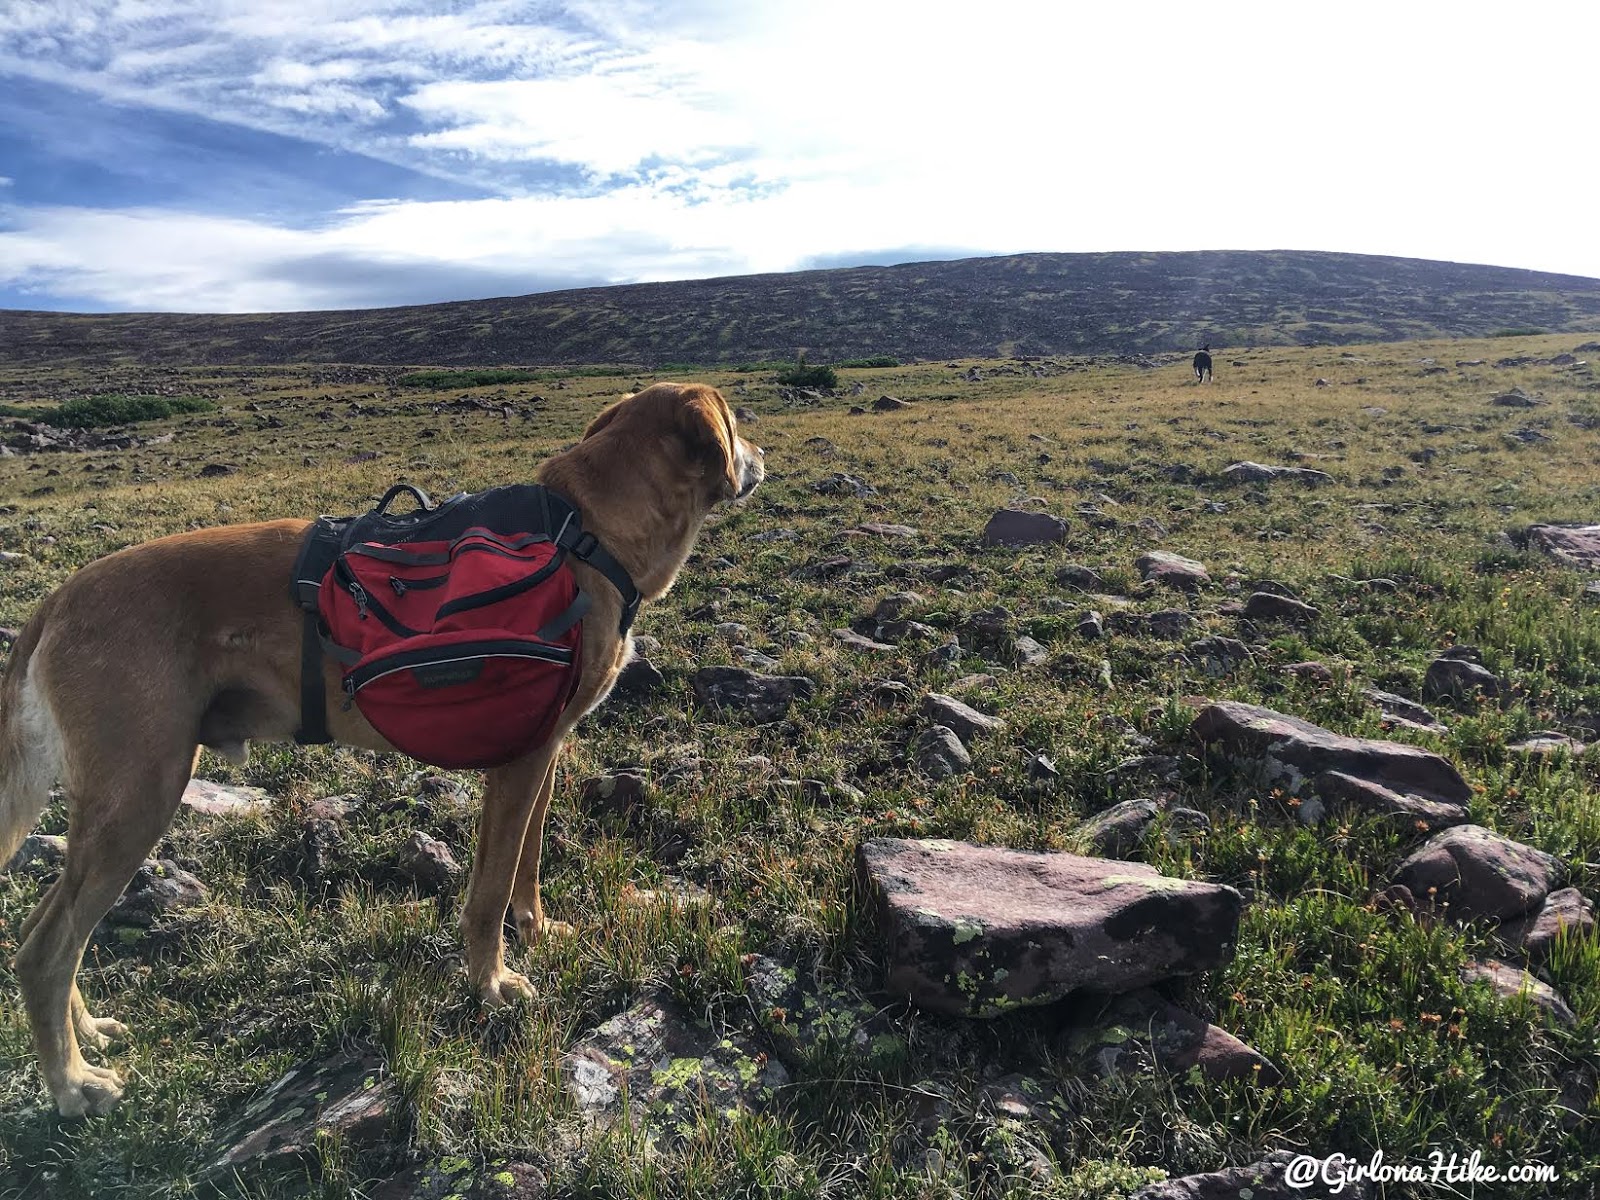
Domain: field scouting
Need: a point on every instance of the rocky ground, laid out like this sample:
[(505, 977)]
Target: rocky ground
[(1064, 780)]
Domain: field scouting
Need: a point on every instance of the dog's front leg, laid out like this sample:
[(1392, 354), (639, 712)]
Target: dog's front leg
[(509, 798), (526, 909)]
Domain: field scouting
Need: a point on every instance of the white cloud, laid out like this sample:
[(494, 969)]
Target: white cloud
[(723, 137)]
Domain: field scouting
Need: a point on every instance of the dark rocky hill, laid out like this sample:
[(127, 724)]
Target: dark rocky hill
[(1019, 304)]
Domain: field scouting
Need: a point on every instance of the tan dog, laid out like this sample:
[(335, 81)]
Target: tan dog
[(148, 654)]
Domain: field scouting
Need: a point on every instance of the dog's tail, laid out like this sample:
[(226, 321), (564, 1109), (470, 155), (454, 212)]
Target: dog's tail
[(30, 743)]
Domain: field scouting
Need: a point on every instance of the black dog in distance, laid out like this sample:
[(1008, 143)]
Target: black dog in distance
[(1202, 364)]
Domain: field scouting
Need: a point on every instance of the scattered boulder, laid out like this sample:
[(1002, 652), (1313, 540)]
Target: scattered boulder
[(889, 404), (764, 697), (1570, 545), (1479, 873), (1398, 710), (879, 529), (1264, 1180), (1565, 912), (840, 484), (1269, 606), (44, 852), (428, 863), (1291, 751), (808, 1017), (1167, 624), (1547, 742), (940, 754), (896, 606), (1142, 1030), (1218, 655), (1316, 672), (1335, 788), (1172, 570), (222, 799), (1014, 527), (966, 721), (158, 890), (1515, 398), (1119, 830), (638, 679), (348, 1096), (856, 641), (978, 931), (1254, 472), (1076, 575), (1028, 652), (1514, 984), (1456, 677), (665, 1065)]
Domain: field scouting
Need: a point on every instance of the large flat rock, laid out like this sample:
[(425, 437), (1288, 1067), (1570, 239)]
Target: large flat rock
[(1292, 751), (979, 931)]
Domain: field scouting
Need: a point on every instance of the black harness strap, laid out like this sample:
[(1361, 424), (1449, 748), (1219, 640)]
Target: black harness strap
[(313, 729), (585, 547)]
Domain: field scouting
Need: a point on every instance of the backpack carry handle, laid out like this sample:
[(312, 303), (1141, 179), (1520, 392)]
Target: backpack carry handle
[(421, 497)]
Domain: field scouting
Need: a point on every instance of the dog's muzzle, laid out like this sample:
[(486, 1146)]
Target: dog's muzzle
[(751, 471)]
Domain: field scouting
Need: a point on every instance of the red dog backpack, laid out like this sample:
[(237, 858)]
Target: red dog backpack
[(458, 627)]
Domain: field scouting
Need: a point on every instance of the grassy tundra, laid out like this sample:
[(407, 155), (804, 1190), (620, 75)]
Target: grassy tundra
[(1381, 1044)]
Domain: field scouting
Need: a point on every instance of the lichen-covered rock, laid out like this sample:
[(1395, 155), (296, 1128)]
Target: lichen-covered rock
[(1480, 873), (428, 863), (1291, 752), (1398, 709), (667, 1064), (349, 1095), (458, 1178), (1218, 655), (1570, 545), (764, 697), (807, 1018), (1141, 1030), (41, 852), (978, 931)]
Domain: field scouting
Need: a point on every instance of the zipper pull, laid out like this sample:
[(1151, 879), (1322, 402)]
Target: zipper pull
[(398, 584), (359, 595)]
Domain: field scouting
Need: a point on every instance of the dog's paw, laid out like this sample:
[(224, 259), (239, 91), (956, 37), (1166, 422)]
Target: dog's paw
[(89, 1093), (531, 928), (100, 1032), (504, 987)]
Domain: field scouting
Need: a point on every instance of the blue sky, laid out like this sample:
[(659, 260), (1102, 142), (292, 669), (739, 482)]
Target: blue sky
[(223, 155)]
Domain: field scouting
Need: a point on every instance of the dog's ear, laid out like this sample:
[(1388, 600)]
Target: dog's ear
[(605, 418), (707, 428)]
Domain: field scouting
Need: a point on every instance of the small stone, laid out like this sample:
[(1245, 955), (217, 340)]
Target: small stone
[(764, 697), (1513, 984), (888, 404), (615, 795), (1118, 830), (1458, 679), (1548, 742), (1266, 606), (222, 799), (158, 889), (1173, 570), (44, 852), (639, 678), (855, 641), (1029, 653), (1075, 575), (897, 606), (1565, 913), (428, 863), (1014, 527), (1480, 873), (939, 753), (1091, 625), (967, 722)]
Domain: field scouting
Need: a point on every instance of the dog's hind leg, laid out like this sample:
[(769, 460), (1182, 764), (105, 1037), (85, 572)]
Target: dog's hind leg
[(115, 817), (526, 908), (511, 794)]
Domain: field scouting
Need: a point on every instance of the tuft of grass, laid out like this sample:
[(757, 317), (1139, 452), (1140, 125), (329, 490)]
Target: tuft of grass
[(98, 412)]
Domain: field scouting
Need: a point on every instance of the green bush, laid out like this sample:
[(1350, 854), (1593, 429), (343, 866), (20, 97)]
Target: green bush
[(94, 412), (1530, 332), (802, 376), (481, 377), (877, 360)]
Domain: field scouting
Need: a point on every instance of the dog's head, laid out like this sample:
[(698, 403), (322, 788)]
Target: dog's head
[(699, 421)]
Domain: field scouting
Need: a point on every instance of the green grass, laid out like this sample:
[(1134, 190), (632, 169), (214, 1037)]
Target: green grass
[(98, 412), (1381, 1045)]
